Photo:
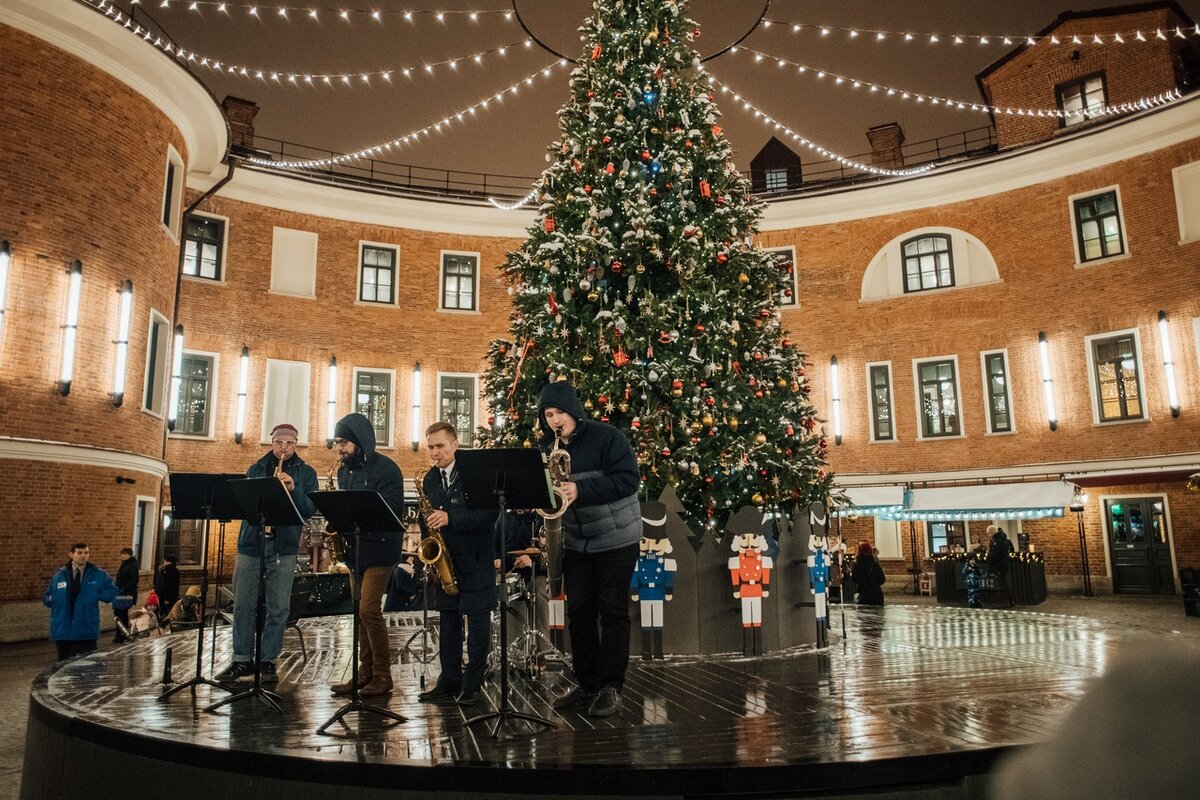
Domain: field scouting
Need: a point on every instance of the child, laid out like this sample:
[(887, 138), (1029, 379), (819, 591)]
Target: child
[(973, 577)]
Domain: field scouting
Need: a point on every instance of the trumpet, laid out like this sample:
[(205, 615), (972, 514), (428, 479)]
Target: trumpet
[(432, 550), (334, 541), (559, 465)]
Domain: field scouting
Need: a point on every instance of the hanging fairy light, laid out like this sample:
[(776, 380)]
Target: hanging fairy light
[(282, 11)]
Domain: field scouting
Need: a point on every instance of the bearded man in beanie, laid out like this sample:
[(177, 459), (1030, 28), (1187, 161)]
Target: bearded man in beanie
[(601, 530), (276, 554), (372, 557)]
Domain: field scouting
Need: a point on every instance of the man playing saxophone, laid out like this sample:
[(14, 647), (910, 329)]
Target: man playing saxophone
[(279, 551), (467, 541)]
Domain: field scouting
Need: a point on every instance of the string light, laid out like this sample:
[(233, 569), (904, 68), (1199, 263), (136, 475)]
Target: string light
[(514, 206), (829, 154), (314, 12), (413, 137), (883, 90), (1004, 40)]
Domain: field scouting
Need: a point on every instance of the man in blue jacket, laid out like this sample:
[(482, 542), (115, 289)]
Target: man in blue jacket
[(601, 530), (73, 597)]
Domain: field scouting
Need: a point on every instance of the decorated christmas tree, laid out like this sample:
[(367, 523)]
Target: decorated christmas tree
[(640, 284)]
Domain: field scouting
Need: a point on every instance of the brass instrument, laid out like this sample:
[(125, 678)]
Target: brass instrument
[(432, 550), (559, 464), (267, 529), (335, 542)]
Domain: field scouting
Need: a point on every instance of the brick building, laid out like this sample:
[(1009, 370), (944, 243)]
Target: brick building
[(931, 292)]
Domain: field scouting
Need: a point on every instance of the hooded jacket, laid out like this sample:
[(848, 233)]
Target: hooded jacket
[(606, 515), (287, 537), (79, 621), (368, 470)]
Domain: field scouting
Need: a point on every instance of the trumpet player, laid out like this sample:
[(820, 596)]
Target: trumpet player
[(278, 551), (467, 538), (601, 530)]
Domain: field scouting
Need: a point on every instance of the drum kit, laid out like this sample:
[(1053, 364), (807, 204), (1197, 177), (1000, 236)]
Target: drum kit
[(530, 650)]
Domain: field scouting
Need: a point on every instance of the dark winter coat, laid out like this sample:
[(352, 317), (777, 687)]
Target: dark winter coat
[(998, 555), (127, 578), (868, 577), (470, 539), (166, 586), (368, 470), (287, 537), (77, 619), (606, 515)]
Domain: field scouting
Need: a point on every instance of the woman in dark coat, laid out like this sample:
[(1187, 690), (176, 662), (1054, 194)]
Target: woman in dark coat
[(127, 586), (868, 576)]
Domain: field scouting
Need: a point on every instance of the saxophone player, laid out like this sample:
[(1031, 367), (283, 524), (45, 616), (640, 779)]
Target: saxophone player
[(467, 535), (278, 551)]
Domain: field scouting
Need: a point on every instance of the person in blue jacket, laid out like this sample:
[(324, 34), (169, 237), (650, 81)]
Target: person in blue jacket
[(73, 597)]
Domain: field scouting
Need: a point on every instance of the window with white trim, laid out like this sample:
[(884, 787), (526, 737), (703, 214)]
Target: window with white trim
[(928, 263), (785, 260), (143, 533), (1098, 229), (377, 268), (203, 247), (879, 386), (1081, 99), (456, 405), (460, 281), (172, 193), (1116, 377), (285, 397), (996, 392), (374, 399), (196, 391), (937, 398), (158, 350)]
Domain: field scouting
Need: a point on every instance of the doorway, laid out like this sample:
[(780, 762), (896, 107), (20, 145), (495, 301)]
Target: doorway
[(1140, 545)]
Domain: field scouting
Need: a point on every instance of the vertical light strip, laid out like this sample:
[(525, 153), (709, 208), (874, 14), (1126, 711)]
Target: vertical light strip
[(176, 378), (239, 429), (836, 388), (71, 328), (331, 403), (1164, 336), (5, 257), (416, 407), (1047, 381), (126, 312)]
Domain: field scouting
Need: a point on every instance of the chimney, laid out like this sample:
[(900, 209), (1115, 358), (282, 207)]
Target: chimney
[(239, 114), (886, 143)]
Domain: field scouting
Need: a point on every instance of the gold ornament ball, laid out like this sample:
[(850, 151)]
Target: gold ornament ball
[(587, 358), (760, 438), (528, 444), (782, 383), (593, 297), (677, 392), (640, 268), (756, 498), (707, 420), (623, 406), (743, 278), (695, 427), (733, 423), (589, 405)]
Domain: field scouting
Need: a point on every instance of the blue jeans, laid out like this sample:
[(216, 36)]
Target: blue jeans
[(278, 582)]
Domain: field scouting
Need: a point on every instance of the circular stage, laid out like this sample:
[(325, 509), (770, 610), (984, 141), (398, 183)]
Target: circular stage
[(911, 701)]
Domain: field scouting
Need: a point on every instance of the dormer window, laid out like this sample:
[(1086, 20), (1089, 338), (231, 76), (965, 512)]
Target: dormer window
[(1082, 99)]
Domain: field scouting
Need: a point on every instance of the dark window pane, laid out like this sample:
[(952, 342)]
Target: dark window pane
[(457, 406), (928, 263)]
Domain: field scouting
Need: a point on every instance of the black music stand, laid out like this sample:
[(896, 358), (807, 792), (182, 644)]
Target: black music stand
[(357, 510), (203, 496), (266, 501), (492, 480)]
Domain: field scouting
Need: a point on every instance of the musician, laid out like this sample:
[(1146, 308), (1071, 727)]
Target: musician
[(468, 536), (601, 531), (278, 553), (371, 559)]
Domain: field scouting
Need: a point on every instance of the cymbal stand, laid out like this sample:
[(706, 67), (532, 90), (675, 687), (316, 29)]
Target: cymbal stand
[(428, 631), (533, 646)]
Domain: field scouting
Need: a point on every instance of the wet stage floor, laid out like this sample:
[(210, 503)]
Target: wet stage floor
[(910, 694)]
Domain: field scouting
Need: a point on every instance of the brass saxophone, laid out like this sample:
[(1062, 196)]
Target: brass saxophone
[(432, 549), (335, 542), (559, 464)]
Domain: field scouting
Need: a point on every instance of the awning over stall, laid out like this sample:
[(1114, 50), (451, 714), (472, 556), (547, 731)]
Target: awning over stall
[(874, 500), (1000, 501)]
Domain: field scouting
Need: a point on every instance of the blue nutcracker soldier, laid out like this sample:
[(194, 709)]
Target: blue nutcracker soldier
[(653, 577), (818, 568)]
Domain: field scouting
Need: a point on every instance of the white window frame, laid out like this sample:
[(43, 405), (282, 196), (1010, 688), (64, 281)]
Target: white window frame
[(1088, 360), (391, 373), (1196, 336), (795, 287), (475, 378), (871, 403), (441, 267), (958, 398), (363, 244), (173, 193), (303, 423), (223, 261), (213, 394), (163, 368), (149, 535), (888, 531), (316, 240), (771, 177), (987, 409), (1079, 263)]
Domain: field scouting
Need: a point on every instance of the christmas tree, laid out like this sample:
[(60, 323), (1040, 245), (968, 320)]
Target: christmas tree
[(640, 284)]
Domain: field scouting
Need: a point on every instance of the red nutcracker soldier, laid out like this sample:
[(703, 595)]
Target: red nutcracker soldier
[(750, 572)]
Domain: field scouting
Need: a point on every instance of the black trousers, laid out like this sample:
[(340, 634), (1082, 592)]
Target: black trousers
[(597, 587), (450, 629), (74, 647)]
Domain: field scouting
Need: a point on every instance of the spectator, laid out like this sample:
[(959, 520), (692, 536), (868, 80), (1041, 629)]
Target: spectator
[(186, 613), (999, 561), (166, 584), (73, 597), (868, 576), (127, 590)]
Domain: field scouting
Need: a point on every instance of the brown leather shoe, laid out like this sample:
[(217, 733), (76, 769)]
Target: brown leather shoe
[(345, 687), (377, 687)]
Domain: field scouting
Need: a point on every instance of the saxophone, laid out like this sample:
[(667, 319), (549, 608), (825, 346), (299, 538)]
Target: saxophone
[(335, 542), (432, 550), (559, 464)]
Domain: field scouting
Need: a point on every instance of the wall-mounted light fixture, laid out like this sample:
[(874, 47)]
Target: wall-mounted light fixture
[(239, 428), (331, 403), (416, 407), (5, 257), (1047, 381), (70, 327), (124, 314), (176, 378), (1164, 336), (837, 399)]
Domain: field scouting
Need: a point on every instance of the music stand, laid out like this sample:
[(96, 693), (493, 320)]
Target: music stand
[(492, 479), (357, 510), (266, 501), (203, 496)]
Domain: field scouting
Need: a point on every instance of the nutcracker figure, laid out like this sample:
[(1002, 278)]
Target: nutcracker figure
[(653, 577), (818, 580), (750, 571)]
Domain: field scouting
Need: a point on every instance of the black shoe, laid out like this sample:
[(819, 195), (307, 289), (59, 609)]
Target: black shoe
[(578, 698), (268, 676), (438, 694), (237, 671), (468, 698), (607, 703)]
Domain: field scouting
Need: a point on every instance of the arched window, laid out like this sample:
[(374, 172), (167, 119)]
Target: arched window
[(928, 263)]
